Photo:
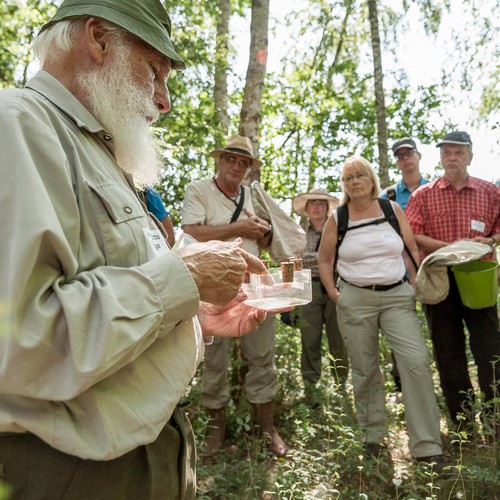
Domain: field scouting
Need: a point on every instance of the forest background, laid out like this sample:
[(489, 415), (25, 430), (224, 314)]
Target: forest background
[(300, 78), (312, 82)]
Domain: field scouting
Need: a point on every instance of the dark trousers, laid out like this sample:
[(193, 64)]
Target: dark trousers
[(321, 311), (446, 325), (164, 469)]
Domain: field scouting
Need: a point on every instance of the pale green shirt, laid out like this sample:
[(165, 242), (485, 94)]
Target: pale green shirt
[(97, 338), (205, 204)]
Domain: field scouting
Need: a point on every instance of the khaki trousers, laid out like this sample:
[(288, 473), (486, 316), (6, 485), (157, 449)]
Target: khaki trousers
[(261, 379), (321, 311), (361, 313)]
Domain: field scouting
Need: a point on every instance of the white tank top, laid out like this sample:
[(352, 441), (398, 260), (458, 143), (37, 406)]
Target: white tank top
[(371, 254)]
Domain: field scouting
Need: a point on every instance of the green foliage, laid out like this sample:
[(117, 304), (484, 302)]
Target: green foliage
[(318, 108), (20, 21), (327, 459)]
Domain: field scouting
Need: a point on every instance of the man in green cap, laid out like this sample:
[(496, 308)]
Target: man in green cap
[(99, 337)]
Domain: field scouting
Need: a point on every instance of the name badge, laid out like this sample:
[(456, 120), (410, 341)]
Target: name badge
[(477, 225), (155, 242), (389, 236)]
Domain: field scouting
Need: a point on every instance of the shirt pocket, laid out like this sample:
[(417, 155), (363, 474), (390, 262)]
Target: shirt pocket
[(434, 222), (120, 220)]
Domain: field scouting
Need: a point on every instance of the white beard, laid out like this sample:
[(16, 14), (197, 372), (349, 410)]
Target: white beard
[(122, 106)]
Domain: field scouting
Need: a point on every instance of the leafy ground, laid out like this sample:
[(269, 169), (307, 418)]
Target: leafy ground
[(327, 459)]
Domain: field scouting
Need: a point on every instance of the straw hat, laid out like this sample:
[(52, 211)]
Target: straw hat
[(238, 145), (300, 201)]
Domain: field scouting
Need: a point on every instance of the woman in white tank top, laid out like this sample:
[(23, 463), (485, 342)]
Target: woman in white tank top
[(373, 293)]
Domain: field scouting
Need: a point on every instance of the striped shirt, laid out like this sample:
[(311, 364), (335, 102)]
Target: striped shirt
[(310, 256), (441, 212)]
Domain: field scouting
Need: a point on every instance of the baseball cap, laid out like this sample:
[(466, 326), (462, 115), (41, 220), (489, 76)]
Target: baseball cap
[(406, 142), (456, 137), (146, 19)]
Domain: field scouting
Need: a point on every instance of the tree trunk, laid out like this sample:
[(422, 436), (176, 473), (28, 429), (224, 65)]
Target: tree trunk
[(379, 94), (250, 116), (221, 66)]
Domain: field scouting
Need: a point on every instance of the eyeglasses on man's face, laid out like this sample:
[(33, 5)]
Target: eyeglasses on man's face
[(232, 159), (350, 178), (407, 154)]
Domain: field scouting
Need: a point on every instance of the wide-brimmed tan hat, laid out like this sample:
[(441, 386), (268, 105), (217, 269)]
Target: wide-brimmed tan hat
[(238, 145), (146, 19), (300, 201)]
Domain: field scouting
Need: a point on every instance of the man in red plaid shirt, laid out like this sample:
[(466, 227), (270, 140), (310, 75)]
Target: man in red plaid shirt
[(456, 207)]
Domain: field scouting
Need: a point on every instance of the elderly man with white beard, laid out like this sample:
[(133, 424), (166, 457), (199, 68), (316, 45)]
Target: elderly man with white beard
[(99, 321)]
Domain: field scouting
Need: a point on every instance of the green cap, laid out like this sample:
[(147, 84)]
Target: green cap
[(146, 19)]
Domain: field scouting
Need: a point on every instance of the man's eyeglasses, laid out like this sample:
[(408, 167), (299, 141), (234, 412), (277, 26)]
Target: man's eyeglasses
[(234, 159), (407, 154), (359, 177)]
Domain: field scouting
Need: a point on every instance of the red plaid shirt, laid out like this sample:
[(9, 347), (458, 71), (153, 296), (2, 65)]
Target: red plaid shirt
[(440, 211)]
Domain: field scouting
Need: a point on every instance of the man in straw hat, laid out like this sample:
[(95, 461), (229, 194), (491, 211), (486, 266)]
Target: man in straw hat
[(98, 337), (454, 207), (221, 208), (317, 205)]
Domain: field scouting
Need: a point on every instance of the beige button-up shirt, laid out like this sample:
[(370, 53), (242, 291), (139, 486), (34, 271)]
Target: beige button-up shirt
[(97, 339)]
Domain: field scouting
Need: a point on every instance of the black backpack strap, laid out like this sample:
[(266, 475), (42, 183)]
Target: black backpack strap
[(390, 215), (342, 222), (239, 206), (391, 192)]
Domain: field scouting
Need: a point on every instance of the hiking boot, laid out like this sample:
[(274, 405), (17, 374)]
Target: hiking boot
[(265, 419), (216, 432), (437, 462), (374, 450)]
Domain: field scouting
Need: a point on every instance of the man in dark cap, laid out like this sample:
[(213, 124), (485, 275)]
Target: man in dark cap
[(221, 208), (98, 331), (408, 161), (455, 207)]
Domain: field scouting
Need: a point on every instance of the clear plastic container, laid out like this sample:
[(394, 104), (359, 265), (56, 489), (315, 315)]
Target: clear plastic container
[(269, 292)]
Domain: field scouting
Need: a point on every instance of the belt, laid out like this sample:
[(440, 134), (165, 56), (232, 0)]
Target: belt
[(378, 288)]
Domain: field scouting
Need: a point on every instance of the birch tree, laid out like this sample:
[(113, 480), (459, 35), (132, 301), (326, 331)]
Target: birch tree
[(221, 66), (250, 116), (380, 109)]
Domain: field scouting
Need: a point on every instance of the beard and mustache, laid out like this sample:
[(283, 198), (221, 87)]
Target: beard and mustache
[(122, 107)]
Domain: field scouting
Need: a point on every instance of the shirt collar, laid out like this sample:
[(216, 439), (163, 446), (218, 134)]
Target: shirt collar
[(471, 183), (309, 227), (54, 91)]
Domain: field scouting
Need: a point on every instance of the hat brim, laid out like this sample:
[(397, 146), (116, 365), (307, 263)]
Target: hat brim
[(408, 146), (299, 202), (149, 31), (439, 144), (216, 153)]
